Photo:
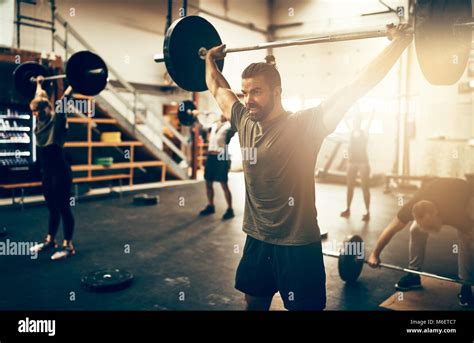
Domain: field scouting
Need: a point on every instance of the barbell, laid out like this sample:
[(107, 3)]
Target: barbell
[(188, 114), (86, 72), (442, 29), (350, 264), (185, 112)]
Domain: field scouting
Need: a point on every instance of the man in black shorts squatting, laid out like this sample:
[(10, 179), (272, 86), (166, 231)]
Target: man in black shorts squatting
[(283, 251)]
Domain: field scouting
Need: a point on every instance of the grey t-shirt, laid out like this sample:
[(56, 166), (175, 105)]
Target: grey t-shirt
[(280, 189)]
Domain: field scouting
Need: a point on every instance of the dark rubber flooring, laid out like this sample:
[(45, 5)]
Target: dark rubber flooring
[(185, 262)]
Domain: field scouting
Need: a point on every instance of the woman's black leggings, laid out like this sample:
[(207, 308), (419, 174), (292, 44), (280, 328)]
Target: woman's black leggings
[(57, 192), (57, 182)]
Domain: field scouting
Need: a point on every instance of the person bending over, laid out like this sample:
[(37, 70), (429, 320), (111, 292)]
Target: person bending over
[(443, 201)]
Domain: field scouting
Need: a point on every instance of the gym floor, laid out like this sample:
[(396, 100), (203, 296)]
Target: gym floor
[(185, 262)]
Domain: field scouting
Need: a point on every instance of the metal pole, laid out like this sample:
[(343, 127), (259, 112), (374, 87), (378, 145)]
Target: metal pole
[(66, 36), (18, 23), (194, 135), (53, 23), (185, 8), (169, 17), (407, 98)]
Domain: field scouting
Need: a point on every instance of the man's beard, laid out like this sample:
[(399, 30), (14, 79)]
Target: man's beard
[(263, 112)]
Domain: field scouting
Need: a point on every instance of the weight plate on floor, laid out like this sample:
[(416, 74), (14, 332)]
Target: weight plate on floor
[(145, 199), (107, 280), (349, 263)]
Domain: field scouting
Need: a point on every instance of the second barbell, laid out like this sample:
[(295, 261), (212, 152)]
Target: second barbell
[(86, 72)]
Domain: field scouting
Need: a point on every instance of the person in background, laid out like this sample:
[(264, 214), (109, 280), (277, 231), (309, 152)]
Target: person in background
[(217, 167), (358, 164), (441, 202)]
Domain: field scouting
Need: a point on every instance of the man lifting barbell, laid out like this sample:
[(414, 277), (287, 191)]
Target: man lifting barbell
[(56, 172), (283, 247), (443, 201)]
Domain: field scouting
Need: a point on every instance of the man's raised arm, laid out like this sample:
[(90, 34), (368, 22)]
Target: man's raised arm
[(335, 107), (216, 82)]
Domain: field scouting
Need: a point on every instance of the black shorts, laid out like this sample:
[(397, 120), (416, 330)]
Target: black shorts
[(297, 272), (215, 169)]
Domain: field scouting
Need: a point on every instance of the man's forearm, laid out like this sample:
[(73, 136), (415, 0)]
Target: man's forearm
[(381, 65), (39, 90), (214, 77), (395, 226), (338, 103)]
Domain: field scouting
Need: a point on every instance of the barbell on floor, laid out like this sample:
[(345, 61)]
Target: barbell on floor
[(442, 31), (350, 264), (86, 72)]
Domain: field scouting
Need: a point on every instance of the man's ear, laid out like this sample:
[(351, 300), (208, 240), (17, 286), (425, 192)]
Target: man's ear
[(277, 92)]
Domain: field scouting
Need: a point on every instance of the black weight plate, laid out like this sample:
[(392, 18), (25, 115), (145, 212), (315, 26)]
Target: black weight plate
[(22, 78), (144, 200), (184, 117), (442, 49), (81, 81), (182, 42), (349, 263), (107, 280)]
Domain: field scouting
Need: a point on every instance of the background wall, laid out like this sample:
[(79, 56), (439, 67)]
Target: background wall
[(128, 33), (6, 20), (316, 71)]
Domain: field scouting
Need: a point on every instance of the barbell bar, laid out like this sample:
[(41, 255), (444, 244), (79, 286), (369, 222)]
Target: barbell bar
[(86, 72), (63, 76), (340, 37), (442, 31), (350, 265)]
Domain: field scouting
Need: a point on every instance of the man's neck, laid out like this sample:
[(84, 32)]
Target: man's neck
[(276, 112)]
